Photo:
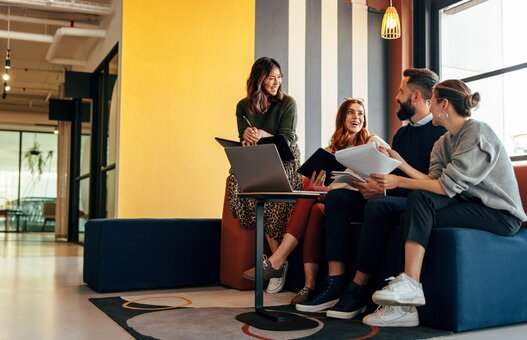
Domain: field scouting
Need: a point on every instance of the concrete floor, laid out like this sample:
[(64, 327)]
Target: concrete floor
[(43, 297)]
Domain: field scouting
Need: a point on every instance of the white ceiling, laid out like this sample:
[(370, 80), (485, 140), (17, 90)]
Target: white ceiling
[(34, 79)]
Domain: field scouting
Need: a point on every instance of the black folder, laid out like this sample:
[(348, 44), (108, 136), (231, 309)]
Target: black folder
[(321, 160), (281, 145)]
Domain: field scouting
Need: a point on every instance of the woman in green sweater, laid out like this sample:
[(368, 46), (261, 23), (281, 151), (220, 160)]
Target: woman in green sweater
[(266, 112), (470, 184)]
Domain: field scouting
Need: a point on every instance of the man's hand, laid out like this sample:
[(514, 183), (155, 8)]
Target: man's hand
[(369, 189)]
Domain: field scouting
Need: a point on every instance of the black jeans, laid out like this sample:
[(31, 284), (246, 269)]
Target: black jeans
[(343, 206), (381, 214), (426, 210)]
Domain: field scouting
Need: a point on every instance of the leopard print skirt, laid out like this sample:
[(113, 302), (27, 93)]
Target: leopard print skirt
[(277, 214)]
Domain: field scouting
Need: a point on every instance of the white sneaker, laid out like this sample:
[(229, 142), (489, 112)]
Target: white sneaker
[(393, 316), (401, 291), (277, 283)]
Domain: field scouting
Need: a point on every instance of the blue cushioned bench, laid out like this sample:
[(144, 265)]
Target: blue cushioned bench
[(127, 254), (472, 279)]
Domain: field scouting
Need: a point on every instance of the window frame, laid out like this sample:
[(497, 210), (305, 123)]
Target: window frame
[(427, 47)]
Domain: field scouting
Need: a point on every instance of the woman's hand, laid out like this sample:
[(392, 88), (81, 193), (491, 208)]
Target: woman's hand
[(317, 181), (386, 181), (251, 136), (383, 150), (391, 153)]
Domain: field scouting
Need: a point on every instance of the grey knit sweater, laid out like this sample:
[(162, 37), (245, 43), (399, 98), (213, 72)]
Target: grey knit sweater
[(474, 163)]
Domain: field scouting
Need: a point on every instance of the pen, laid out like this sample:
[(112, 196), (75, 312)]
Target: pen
[(247, 120)]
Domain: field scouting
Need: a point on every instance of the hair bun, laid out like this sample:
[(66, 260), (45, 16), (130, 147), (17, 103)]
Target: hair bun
[(472, 100)]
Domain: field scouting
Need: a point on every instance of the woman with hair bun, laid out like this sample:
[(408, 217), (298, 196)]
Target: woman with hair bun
[(470, 184)]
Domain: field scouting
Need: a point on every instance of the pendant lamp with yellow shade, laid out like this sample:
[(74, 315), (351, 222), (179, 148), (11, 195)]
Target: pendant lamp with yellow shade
[(391, 26)]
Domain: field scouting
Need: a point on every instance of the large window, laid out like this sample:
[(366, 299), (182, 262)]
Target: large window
[(9, 167), (28, 176), (482, 42)]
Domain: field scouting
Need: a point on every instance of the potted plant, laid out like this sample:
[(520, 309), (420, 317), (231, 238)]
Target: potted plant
[(36, 159)]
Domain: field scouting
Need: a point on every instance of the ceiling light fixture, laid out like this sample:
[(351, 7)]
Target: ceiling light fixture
[(391, 26), (8, 52), (7, 66), (8, 57)]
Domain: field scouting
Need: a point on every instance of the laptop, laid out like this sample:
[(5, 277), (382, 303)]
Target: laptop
[(259, 169)]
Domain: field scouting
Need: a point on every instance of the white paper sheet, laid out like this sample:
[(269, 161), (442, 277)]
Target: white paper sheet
[(366, 159)]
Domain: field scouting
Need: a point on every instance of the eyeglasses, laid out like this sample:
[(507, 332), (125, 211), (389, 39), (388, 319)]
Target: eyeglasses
[(355, 100)]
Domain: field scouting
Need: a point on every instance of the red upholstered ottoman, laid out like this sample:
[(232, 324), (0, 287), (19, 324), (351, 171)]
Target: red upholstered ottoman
[(237, 250)]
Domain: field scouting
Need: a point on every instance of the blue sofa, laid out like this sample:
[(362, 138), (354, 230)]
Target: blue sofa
[(472, 279), (127, 254)]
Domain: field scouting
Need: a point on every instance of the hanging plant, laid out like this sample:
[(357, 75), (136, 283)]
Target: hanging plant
[(36, 159)]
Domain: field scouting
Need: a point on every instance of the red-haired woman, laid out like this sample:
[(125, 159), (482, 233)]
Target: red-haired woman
[(306, 220)]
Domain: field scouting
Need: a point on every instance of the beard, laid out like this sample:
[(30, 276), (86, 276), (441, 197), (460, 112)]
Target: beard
[(406, 111)]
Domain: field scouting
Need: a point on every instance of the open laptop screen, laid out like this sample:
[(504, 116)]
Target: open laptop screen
[(258, 168)]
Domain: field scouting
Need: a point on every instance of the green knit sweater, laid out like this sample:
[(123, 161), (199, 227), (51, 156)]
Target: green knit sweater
[(279, 119)]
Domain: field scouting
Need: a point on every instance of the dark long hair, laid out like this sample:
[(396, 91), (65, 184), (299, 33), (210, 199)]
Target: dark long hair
[(258, 101), (342, 136), (459, 94)]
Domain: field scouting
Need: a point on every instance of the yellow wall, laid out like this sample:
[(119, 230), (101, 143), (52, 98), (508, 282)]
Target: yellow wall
[(184, 67)]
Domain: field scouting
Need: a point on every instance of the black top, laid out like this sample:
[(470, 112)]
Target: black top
[(414, 144)]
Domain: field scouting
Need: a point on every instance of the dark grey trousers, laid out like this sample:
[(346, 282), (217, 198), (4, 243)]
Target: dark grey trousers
[(426, 210)]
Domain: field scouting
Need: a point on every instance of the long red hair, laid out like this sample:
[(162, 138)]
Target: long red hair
[(342, 136)]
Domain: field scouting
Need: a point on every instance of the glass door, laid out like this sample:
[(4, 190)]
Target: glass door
[(93, 161)]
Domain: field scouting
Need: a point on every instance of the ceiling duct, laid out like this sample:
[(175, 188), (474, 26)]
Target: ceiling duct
[(56, 41), (71, 32), (43, 21)]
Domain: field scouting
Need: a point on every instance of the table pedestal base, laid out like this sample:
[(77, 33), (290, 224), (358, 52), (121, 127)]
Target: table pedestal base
[(276, 321)]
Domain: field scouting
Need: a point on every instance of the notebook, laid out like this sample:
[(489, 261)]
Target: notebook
[(259, 169), (279, 140), (321, 160)]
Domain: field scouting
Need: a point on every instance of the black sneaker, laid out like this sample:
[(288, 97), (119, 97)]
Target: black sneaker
[(351, 304), (327, 297)]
